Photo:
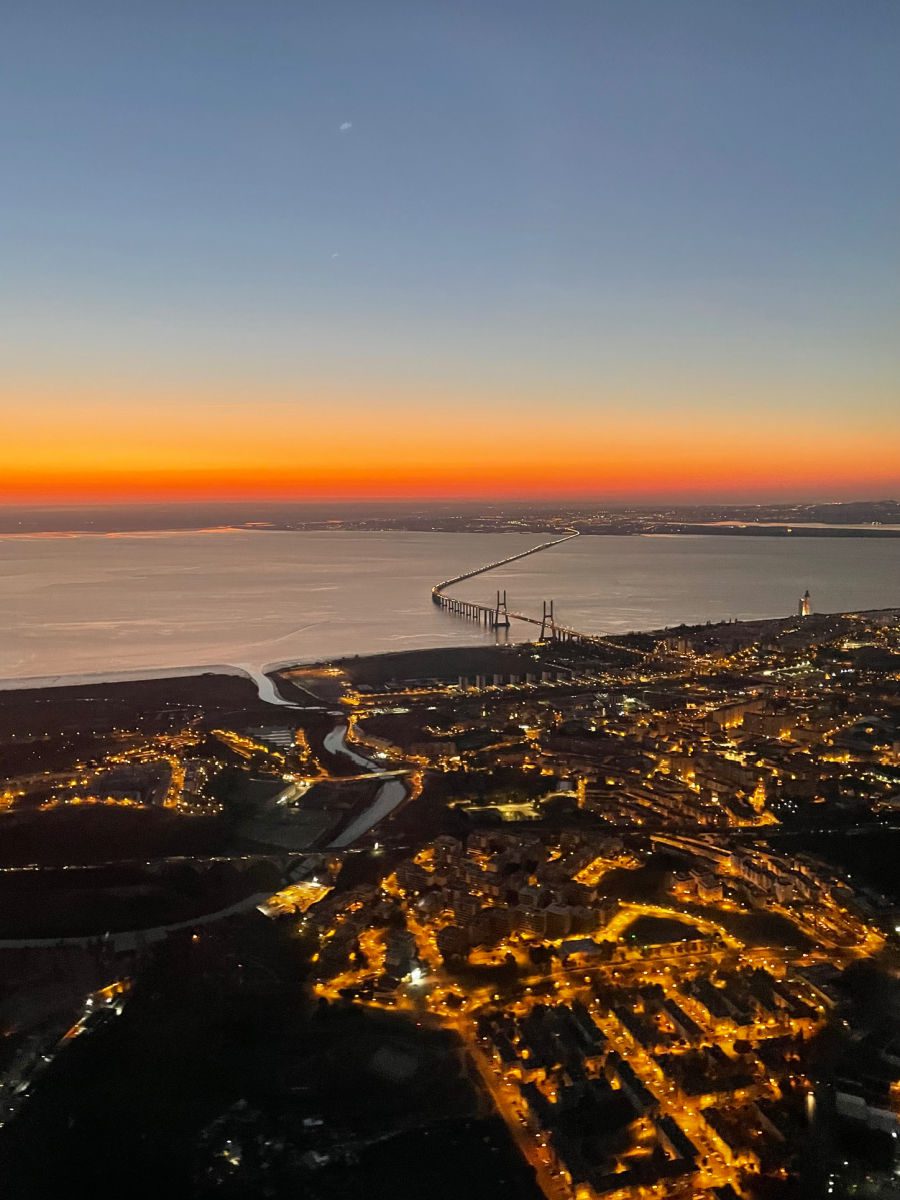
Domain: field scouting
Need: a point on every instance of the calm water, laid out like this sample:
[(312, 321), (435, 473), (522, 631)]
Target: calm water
[(616, 584), (94, 604)]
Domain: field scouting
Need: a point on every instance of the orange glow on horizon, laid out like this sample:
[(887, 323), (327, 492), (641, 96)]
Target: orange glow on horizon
[(611, 481), (89, 450)]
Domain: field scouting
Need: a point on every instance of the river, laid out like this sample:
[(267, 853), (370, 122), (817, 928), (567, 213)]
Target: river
[(95, 605), (391, 793)]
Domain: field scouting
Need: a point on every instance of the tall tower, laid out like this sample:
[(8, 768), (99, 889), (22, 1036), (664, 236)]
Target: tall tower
[(501, 613), (547, 621), (803, 606)]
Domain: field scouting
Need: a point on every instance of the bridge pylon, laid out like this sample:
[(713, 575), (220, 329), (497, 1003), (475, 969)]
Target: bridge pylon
[(548, 624), (501, 613)]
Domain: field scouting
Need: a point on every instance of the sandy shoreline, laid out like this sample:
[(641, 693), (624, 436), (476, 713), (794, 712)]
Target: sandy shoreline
[(135, 676), (257, 675)]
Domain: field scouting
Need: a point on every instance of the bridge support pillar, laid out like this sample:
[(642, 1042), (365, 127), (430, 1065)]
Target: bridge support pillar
[(548, 624), (501, 619)]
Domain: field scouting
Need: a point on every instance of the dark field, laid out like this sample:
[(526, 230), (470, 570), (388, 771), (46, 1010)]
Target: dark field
[(226, 1045), (654, 931)]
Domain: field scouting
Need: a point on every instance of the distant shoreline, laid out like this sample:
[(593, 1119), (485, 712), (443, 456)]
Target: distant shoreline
[(875, 519)]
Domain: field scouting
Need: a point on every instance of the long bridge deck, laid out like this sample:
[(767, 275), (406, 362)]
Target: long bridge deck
[(495, 617), (498, 616)]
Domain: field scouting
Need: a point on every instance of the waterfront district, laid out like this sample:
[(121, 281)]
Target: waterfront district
[(603, 918)]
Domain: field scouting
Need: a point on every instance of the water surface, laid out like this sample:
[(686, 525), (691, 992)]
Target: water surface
[(94, 605)]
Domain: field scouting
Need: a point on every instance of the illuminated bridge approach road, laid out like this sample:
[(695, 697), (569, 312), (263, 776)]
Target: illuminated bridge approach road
[(498, 616)]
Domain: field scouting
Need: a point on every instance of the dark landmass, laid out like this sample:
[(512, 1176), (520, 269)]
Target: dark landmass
[(867, 856), (440, 662), (46, 725), (779, 531), (87, 836), (74, 903)]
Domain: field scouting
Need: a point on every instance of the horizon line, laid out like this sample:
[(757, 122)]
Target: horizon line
[(444, 501)]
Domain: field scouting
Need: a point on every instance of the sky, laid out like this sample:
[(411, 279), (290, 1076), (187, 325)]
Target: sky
[(369, 248)]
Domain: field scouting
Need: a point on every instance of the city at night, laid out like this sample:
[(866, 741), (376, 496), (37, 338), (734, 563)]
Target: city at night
[(450, 600)]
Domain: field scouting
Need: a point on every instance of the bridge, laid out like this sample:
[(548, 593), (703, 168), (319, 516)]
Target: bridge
[(498, 616), (550, 631), (495, 617)]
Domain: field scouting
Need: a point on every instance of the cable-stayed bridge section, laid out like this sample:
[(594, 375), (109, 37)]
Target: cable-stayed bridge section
[(498, 615)]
